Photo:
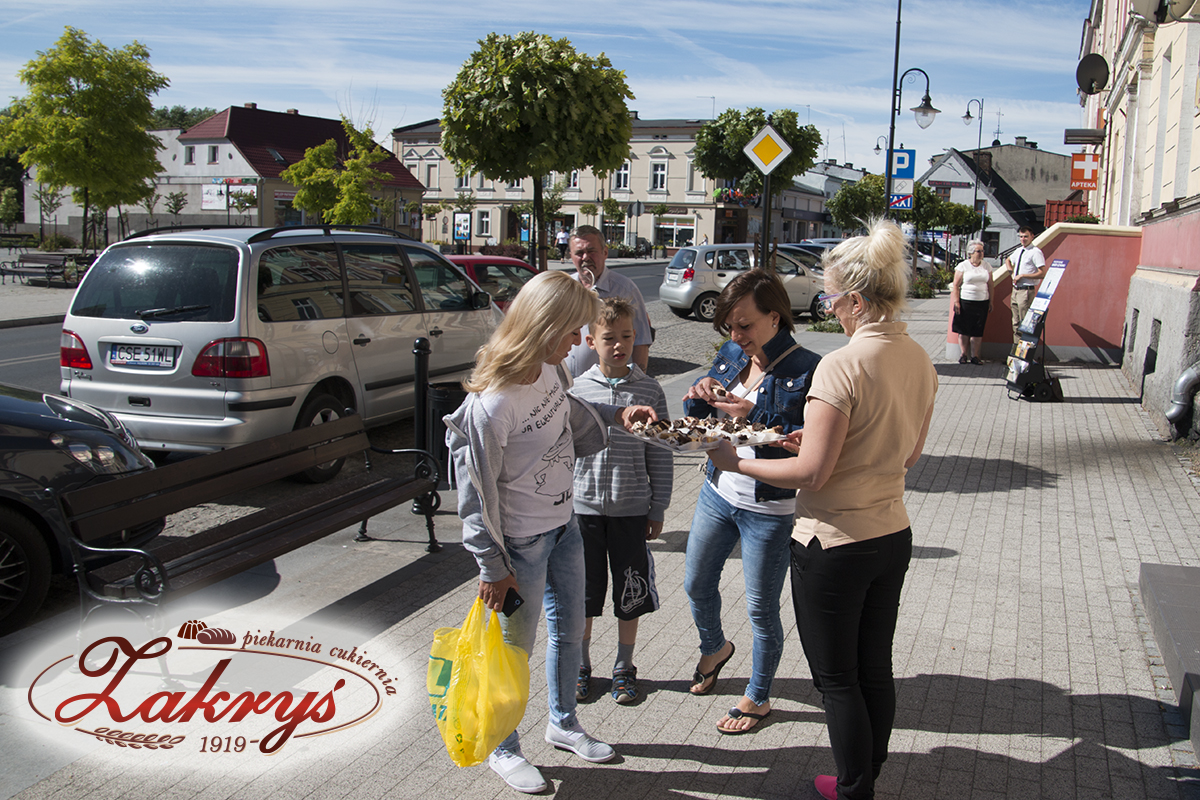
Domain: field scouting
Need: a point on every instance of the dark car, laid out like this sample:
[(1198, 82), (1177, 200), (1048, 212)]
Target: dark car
[(500, 276), (49, 445)]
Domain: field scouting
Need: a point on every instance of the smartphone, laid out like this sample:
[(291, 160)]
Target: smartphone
[(512, 601)]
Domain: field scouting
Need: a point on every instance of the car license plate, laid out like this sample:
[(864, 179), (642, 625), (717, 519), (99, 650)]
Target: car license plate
[(672, 279), (147, 356)]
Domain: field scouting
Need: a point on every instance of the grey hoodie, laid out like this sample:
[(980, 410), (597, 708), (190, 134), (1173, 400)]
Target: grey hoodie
[(478, 458)]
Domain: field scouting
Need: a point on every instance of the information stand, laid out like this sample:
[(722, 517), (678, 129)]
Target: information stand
[(1027, 375)]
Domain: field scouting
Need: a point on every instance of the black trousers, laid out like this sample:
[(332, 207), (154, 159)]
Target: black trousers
[(847, 599)]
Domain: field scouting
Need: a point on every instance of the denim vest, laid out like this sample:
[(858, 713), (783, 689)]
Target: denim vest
[(778, 400)]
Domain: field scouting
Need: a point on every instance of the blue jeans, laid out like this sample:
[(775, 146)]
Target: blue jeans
[(847, 601), (716, 527), (549, 572)]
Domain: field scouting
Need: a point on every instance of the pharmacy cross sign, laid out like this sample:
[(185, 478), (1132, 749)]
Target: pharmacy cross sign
[(767, 150), (1085, 170)]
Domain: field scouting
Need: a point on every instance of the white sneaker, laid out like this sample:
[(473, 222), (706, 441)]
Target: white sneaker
[(516, 771), (578, 742)]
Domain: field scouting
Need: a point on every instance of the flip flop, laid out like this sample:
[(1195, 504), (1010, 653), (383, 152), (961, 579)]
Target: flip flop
[(737, 713), (699, 677)]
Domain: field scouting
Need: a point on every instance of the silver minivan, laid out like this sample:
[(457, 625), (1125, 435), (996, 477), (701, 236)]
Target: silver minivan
[(200, 340), (696, 276)]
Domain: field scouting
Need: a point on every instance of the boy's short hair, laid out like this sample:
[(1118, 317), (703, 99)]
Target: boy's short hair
[(1025, 229), (613, 309)]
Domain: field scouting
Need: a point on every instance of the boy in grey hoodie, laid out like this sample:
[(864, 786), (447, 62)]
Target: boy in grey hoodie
[(621, 494)]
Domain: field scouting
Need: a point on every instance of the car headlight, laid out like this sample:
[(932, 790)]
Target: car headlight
[(101, 452)]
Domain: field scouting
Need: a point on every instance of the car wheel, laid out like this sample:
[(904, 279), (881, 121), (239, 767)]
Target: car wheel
[(705, 307), (320, 408), (680, 312), (24, 570), (816, 311)]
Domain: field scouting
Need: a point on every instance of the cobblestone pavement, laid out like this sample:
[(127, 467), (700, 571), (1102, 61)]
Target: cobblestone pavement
[(1024, 663)]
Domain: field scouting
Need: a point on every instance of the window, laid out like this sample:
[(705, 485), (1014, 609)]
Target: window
[(213, 152), (513, 186), (484, 226), (502, 281), (482, 183), (462, 183), (379, 282), (431, 177), (189, 154), (296, 283), (695, 181), (943, 193), (621, 178), (573, 181), (658, 176), (442, 288), (675, 231)]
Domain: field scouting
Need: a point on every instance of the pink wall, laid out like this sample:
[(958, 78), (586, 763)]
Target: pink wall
[(1172, 243), (1088, 310)]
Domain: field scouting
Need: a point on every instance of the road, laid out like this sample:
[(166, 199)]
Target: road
[(29, 357)]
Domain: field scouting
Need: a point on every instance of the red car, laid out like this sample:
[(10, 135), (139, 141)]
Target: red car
[(500, 276)]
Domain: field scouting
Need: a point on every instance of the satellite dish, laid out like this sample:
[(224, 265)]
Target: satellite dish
[(1178, 9), (1148, 9), (1092, 73)]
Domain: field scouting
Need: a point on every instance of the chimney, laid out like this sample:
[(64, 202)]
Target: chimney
[(292, 111), (250, 105), (1020, 141), (832, 161), (984, 162), (848, 165), (633, 114)]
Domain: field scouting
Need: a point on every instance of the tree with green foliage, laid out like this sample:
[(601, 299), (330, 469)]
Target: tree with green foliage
[(526, 106), (243, 202), (855, 203), (613, 210), (10, 209), (720, 146), (150, 202), (589, 210), (83, 122), (464, 201), (49, 200), (178, 117), (338, 187), (175, 204)]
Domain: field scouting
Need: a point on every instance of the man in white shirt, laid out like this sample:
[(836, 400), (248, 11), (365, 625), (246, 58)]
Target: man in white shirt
[(1028, 267), (588, 253), (562, 240)]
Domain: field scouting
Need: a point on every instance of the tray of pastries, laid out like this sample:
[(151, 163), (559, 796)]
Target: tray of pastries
[(695, 434)]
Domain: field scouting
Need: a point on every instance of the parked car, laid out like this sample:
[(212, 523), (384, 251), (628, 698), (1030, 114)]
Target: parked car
[(51, 444), (500, 276), (200, 340), (696, 276)]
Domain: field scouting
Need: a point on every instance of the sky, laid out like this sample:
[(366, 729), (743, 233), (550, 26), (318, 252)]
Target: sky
[(385, 63)]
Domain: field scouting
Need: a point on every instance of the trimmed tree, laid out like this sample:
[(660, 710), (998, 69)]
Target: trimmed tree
[(720, 145), (83, 123), (529, 105)]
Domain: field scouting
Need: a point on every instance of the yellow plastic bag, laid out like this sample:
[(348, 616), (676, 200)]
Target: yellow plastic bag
[(478, 686)]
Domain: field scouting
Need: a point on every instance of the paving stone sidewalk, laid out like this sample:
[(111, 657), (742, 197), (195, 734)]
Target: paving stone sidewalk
[(1024, 663)]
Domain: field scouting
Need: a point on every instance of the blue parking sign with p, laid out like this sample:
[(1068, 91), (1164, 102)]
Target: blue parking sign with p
[(904, 164)]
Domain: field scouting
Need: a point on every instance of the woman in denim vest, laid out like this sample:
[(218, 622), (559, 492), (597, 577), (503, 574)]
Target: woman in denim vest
[(761, 374)]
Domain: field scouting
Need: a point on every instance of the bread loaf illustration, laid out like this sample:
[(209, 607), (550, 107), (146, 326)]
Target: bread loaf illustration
[(216, 636)]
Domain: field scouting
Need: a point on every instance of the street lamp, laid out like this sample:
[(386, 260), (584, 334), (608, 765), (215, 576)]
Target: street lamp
[(924, 112), (879, 139), (966, 118)]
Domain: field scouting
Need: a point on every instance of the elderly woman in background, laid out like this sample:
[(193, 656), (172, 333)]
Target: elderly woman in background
[(971, 295), (866, 421), (761, 374)]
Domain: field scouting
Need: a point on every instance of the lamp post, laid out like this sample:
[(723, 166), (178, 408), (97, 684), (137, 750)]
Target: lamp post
[(966, 118), (925, 112), (878, 146)]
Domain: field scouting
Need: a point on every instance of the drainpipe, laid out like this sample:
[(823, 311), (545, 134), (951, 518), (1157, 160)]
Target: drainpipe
[(1181, 398)]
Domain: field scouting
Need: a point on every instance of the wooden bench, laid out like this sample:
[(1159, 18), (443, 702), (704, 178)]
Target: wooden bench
[(47, 266), (171, 566)]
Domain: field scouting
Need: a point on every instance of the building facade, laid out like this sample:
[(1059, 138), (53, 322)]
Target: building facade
[(227, 170), (665, 200)]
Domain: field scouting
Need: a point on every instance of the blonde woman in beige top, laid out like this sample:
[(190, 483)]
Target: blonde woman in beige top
[(866, 420)]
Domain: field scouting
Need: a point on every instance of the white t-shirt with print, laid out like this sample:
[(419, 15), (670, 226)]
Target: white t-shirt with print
[(537, 479)]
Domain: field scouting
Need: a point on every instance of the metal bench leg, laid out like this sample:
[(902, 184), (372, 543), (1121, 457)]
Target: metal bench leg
[(426, 505)]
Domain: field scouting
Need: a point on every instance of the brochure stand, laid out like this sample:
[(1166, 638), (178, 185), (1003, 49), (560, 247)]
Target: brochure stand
[(1027, 375)]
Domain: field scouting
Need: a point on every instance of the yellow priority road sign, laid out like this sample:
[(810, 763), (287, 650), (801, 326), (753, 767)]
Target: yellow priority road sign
[(767, 149)]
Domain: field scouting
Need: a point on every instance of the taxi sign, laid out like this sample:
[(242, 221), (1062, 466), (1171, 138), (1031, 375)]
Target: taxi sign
[(901, 202), (767, 150)]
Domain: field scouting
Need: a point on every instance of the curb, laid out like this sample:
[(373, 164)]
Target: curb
[(20, 323)]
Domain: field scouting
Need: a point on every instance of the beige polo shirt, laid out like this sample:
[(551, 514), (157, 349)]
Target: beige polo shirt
[(885, 383)]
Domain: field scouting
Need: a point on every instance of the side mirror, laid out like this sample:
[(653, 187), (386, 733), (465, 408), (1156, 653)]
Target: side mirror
[(480, 300)]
